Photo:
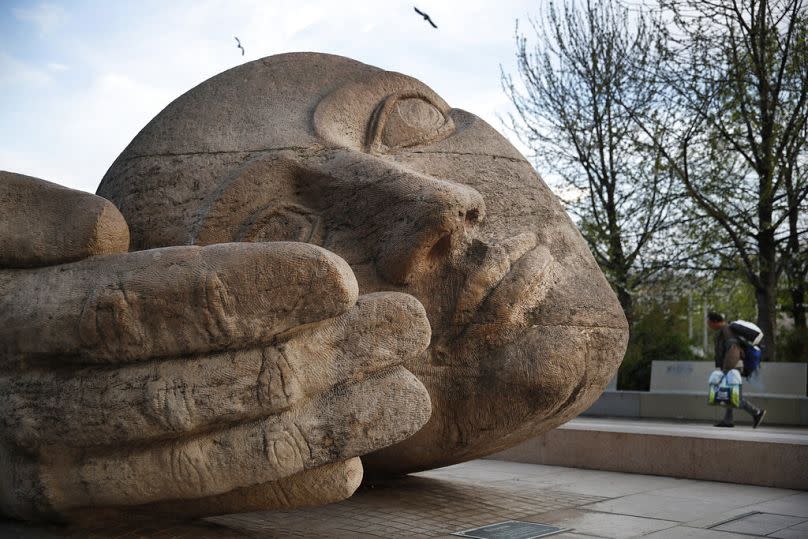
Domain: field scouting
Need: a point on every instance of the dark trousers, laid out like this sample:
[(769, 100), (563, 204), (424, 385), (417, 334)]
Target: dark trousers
[(747, 406)]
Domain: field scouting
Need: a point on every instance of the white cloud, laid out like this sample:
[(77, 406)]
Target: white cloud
[(73, 138), (119, 66), (17, 74), (46, 17), (30, 164)]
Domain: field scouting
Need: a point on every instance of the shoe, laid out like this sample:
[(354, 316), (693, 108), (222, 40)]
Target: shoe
[(723, 424), (757, 418)]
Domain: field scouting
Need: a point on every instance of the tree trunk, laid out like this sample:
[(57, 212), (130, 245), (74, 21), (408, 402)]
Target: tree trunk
[(798, 306), (798, 347), (626, 302), (795, 269), (767, 318)]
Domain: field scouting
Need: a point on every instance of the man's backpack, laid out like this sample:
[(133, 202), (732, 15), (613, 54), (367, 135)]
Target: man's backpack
[(749, 335)]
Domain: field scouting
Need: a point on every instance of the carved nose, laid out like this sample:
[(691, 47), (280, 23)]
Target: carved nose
[(432, 223), (407, 221)]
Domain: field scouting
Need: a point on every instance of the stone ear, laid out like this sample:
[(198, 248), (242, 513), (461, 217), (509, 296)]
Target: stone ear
[(258, 201)]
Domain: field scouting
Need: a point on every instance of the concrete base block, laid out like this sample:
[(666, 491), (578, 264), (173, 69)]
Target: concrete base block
[(678, 406), (771, 458), (616, 404)]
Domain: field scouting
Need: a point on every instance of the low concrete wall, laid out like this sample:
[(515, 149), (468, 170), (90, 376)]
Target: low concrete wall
[(676, 405), (679, 391), (784, 379), (693, 452)]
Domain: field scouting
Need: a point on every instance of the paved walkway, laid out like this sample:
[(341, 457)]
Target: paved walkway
[(434, 504)]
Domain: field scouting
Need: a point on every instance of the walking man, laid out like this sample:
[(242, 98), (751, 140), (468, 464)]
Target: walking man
[(729, 354)]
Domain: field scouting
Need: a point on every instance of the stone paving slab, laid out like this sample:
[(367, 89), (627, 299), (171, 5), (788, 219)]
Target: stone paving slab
[(436, 503), (761, 524), (415, 506), (795, 505), (664, 507), (597, 524)]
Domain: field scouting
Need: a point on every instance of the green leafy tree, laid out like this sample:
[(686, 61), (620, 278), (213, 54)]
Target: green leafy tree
[(736, 91), (618, 188)]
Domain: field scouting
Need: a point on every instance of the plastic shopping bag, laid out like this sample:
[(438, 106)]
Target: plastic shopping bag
[(725, 389)]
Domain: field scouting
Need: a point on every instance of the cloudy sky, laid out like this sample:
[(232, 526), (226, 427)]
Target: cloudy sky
[(79, 79)]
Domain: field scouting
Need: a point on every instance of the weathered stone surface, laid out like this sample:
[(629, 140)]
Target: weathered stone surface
[(301, 226), (70, 225), (188, 380), (309, 488), (418, 198)]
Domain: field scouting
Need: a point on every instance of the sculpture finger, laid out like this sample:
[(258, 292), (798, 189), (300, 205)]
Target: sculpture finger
[(170, 302), (326, 484), (160, 399), (348, 421), (33, 221), (384, 329)]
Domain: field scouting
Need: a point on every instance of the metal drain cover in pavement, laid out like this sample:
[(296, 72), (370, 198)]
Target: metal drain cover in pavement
[(512, 529)]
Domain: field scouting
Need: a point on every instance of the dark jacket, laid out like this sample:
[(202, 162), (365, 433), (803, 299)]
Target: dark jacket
[(728, 350)]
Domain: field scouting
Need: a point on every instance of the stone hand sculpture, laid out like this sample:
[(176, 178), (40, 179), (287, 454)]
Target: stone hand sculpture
[(187, 380), (417, 197)]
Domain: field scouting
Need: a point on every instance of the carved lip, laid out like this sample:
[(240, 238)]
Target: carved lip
[(509, 281)]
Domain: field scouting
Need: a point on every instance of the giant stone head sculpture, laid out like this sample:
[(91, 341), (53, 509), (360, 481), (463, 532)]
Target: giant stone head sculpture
[(417, 197)]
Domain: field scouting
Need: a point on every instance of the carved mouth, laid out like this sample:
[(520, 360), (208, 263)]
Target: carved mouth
[(512, 279)]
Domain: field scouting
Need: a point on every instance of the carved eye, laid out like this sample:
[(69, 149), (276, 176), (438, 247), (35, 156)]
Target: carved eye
[(405, 121)]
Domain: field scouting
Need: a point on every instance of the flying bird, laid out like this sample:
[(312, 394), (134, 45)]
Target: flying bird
[(425, 16), (238, 44)]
